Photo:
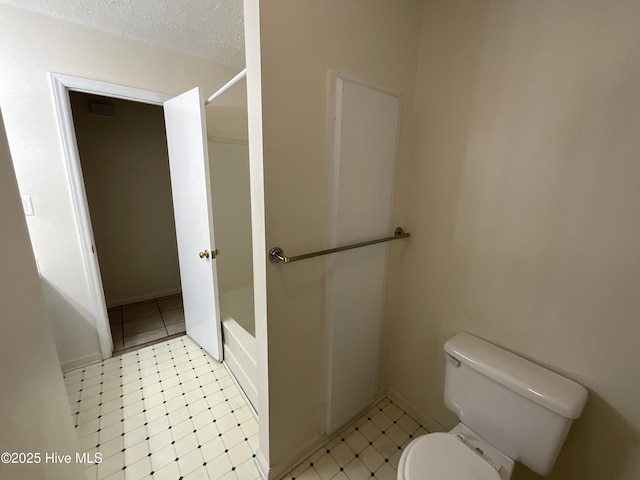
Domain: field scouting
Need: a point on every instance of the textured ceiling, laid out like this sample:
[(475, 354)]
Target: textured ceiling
[(211, 29)]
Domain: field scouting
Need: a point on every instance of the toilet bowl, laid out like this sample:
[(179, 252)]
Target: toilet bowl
[(510, 410), (456, 455)]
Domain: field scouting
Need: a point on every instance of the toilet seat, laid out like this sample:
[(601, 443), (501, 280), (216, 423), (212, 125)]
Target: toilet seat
[(441, 456)]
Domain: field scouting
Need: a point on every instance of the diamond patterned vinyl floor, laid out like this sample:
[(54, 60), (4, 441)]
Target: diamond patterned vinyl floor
[(368, 448), (168, 411)]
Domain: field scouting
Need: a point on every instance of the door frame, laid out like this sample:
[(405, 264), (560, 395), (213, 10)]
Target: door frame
[(61, 86)]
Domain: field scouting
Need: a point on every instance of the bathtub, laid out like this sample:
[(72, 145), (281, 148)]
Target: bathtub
[(239, 343)]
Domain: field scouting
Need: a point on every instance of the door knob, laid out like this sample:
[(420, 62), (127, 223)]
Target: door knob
[(206, 254)]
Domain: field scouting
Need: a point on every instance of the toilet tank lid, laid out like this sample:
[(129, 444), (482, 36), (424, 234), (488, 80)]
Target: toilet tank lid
[(555, 392)]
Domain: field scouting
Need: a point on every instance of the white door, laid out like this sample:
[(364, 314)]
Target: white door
[(189, 164)]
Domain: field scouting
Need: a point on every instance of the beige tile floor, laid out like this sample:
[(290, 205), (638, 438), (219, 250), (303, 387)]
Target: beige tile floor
[(368, 448), (166, 411), (139, 323)]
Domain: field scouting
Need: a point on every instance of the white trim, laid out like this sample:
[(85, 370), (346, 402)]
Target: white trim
[(258, 235), (302, 454), (335, 74), (425, 420), (61, 85), (142, 298), (262, 465), (81, 362), (298, 456), (96, 87)]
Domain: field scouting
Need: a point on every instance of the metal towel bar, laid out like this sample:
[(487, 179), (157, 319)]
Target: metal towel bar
[(276, 254)]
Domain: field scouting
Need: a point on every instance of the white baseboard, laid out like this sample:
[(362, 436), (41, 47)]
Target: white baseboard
[(261, 463), (81, 361), (142, 298), (297, 457), (425, 420), (306, 450), (301, 454)]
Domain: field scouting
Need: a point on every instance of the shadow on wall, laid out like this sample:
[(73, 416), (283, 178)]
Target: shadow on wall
[(76, 338), (599, 446)]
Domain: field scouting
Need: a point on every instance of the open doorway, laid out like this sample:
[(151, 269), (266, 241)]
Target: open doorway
[(185, 126), (125, 166), (194, 172)]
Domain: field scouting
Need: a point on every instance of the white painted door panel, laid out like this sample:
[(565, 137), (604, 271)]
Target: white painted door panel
[(189, 164), (365, 139)]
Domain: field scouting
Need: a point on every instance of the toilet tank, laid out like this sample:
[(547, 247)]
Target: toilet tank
[(519, 407)]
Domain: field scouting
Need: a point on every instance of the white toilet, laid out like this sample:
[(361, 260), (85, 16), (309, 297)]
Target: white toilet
[(510, 410)]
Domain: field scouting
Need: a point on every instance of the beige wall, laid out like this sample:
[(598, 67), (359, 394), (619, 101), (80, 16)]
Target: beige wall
[(230, 191), (377, 41), (229, 120), (125, 167), (32, 45), (524, 200), (34, 410), (230, 194)]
